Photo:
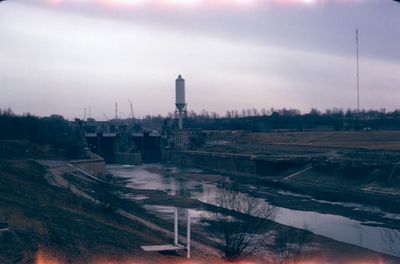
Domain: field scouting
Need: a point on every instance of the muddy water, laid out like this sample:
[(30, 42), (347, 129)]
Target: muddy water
[(329, 225)]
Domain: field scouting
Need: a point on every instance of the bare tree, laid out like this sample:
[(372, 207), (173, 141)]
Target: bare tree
[(238, 224)]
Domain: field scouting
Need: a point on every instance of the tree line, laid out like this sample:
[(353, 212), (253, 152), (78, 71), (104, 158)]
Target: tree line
[(292, 119), (54, 131), (267, 119)]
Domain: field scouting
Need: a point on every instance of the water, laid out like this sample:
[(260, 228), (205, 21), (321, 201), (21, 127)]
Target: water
[(336, 227), (140, 178), (354, 206), (167, 212)]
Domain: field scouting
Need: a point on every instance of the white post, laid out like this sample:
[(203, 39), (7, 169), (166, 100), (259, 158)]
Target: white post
[(176, 226), (188, 234)]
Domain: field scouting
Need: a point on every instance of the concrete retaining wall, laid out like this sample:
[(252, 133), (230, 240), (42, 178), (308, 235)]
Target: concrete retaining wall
[(128, 158), (218, 162), (234, 164), (95, 166)]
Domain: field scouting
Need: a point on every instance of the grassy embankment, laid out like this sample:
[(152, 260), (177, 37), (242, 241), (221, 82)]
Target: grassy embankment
[(51, 218)]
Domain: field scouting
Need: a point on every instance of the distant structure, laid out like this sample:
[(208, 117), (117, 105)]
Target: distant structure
[(358, 74), (180, 101)]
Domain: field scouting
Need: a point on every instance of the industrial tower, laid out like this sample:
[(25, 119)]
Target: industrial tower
[(180, 99)]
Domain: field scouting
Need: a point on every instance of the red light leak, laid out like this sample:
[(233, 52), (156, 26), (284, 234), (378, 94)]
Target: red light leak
[(43, 258)]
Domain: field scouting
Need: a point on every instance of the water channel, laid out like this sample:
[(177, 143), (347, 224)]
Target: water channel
[(340, 228)]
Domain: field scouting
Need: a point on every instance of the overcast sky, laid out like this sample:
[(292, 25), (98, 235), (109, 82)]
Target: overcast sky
[(60, 56)]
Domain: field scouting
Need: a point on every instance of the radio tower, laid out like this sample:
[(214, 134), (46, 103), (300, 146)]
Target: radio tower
[(358, 75)]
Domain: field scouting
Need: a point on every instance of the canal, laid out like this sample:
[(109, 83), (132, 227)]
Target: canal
[(367, 234)]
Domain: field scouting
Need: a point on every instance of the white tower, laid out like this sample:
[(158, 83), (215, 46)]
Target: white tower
[(180, 99)]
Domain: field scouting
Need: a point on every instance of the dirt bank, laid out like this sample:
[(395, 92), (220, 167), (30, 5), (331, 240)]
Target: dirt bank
[(45, 216)]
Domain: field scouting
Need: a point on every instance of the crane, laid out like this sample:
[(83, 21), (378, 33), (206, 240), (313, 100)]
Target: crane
[(116, 110), (130, 103)]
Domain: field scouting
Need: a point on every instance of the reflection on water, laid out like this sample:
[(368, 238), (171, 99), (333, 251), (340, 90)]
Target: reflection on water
[(167, 212), (140, 178), (136, 197), (354, 206), (336, 227), (333, 226)]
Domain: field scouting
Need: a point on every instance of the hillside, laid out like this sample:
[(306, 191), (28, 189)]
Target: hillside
[(46, 217)]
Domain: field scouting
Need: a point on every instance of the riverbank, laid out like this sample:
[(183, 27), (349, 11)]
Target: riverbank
[(64, 223), (361, 167), (58, 214), (159, 188)]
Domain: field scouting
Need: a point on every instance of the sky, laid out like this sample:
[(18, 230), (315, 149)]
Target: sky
[(62, 56)]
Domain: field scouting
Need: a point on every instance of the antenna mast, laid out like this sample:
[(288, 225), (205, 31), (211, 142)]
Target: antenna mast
[(358, 75)]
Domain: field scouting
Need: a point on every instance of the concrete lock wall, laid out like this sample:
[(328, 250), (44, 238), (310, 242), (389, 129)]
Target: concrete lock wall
[(233, 163), (218, 162), (128, 158)]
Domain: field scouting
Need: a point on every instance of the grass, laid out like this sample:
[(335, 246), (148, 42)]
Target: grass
[(45, 216), (382, 140)]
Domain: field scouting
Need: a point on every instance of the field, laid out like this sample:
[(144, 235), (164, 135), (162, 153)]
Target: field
[(372, 140)]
